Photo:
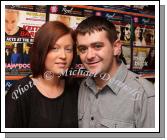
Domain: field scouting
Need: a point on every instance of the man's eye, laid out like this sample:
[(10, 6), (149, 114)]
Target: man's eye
[(98, 46), (82, 49)]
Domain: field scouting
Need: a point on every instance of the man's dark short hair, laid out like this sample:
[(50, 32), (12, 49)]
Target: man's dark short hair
[(97, 23)]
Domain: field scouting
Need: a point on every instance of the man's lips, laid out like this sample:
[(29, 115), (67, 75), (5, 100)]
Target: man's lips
[(92, 63)]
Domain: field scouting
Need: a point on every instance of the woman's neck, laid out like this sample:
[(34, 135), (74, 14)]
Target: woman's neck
[(51, 88), (51, 82)]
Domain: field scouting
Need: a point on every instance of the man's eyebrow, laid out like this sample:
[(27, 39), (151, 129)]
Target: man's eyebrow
[(98, 42), (92, 44)]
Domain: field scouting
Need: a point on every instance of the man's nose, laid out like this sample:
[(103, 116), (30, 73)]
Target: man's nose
[(9, 26), (90, 53)]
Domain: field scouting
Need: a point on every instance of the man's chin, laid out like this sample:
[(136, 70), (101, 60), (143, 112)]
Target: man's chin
[(94, 72)]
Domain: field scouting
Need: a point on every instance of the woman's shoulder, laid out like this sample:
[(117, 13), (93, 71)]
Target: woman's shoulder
[(20, 87), (22, 82)]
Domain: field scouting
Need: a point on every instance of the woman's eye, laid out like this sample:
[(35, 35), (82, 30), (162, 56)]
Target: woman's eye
[(69, 49), (55, 49)]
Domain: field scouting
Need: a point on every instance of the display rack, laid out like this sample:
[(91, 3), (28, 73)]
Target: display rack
[(40, 14)]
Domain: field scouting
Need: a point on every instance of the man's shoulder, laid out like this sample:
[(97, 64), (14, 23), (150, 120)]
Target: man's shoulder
[(137, 81), (83, 82)]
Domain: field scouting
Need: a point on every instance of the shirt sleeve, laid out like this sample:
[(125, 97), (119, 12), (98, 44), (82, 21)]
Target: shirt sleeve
[(145, 114)]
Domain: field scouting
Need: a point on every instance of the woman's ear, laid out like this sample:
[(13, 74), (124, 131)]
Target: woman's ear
[(117, 47)]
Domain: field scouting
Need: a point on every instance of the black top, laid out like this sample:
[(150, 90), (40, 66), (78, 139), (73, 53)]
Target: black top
[(27, 107)]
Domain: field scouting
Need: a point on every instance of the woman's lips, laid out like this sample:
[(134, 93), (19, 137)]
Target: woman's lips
[(62, 65)]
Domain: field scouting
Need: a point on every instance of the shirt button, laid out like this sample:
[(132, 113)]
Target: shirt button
[(96, 96), (92, 118)]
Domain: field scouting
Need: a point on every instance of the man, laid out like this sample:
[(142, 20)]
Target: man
[(113, 96), (11, 21), (127, 32), (15, 57), (26, 53)]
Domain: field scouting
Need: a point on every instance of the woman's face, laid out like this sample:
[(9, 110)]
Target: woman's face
[(59, 58), (137, 32)]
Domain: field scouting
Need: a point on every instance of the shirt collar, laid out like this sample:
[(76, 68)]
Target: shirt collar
[(114, 83), (91, 84), (117, 81)]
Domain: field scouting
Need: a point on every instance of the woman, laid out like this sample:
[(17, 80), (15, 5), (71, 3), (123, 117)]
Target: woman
[(138, 40), (45, 99), (7, 56)]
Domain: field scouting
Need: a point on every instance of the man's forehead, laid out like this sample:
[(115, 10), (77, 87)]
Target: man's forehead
[(91, 37), (128, 25), (93, 33)]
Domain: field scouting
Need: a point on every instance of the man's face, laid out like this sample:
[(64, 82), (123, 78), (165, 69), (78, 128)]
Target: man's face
[(152, 36), (11, 20), (96, 52), (27, 48), (127, 32), (15, 50)]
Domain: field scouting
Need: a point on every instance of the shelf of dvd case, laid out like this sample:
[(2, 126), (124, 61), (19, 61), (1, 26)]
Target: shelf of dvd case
[(147, 75), (14, 77), (111, 10), (135, 50)]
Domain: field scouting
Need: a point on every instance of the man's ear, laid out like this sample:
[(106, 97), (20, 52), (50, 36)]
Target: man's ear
[(117, 47)]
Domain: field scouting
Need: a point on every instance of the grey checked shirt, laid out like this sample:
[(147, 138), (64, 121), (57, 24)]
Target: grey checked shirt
[(127, 101)]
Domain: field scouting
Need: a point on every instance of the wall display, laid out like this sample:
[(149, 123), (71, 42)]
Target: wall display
[(20, 29), (136, 32), (21, 24), (139, 56), (144, 61), (144, 36), (71, 21), (126, 53), (126, 33)]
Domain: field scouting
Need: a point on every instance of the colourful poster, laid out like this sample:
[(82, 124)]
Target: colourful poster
[(71, 21), (20, 29)]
